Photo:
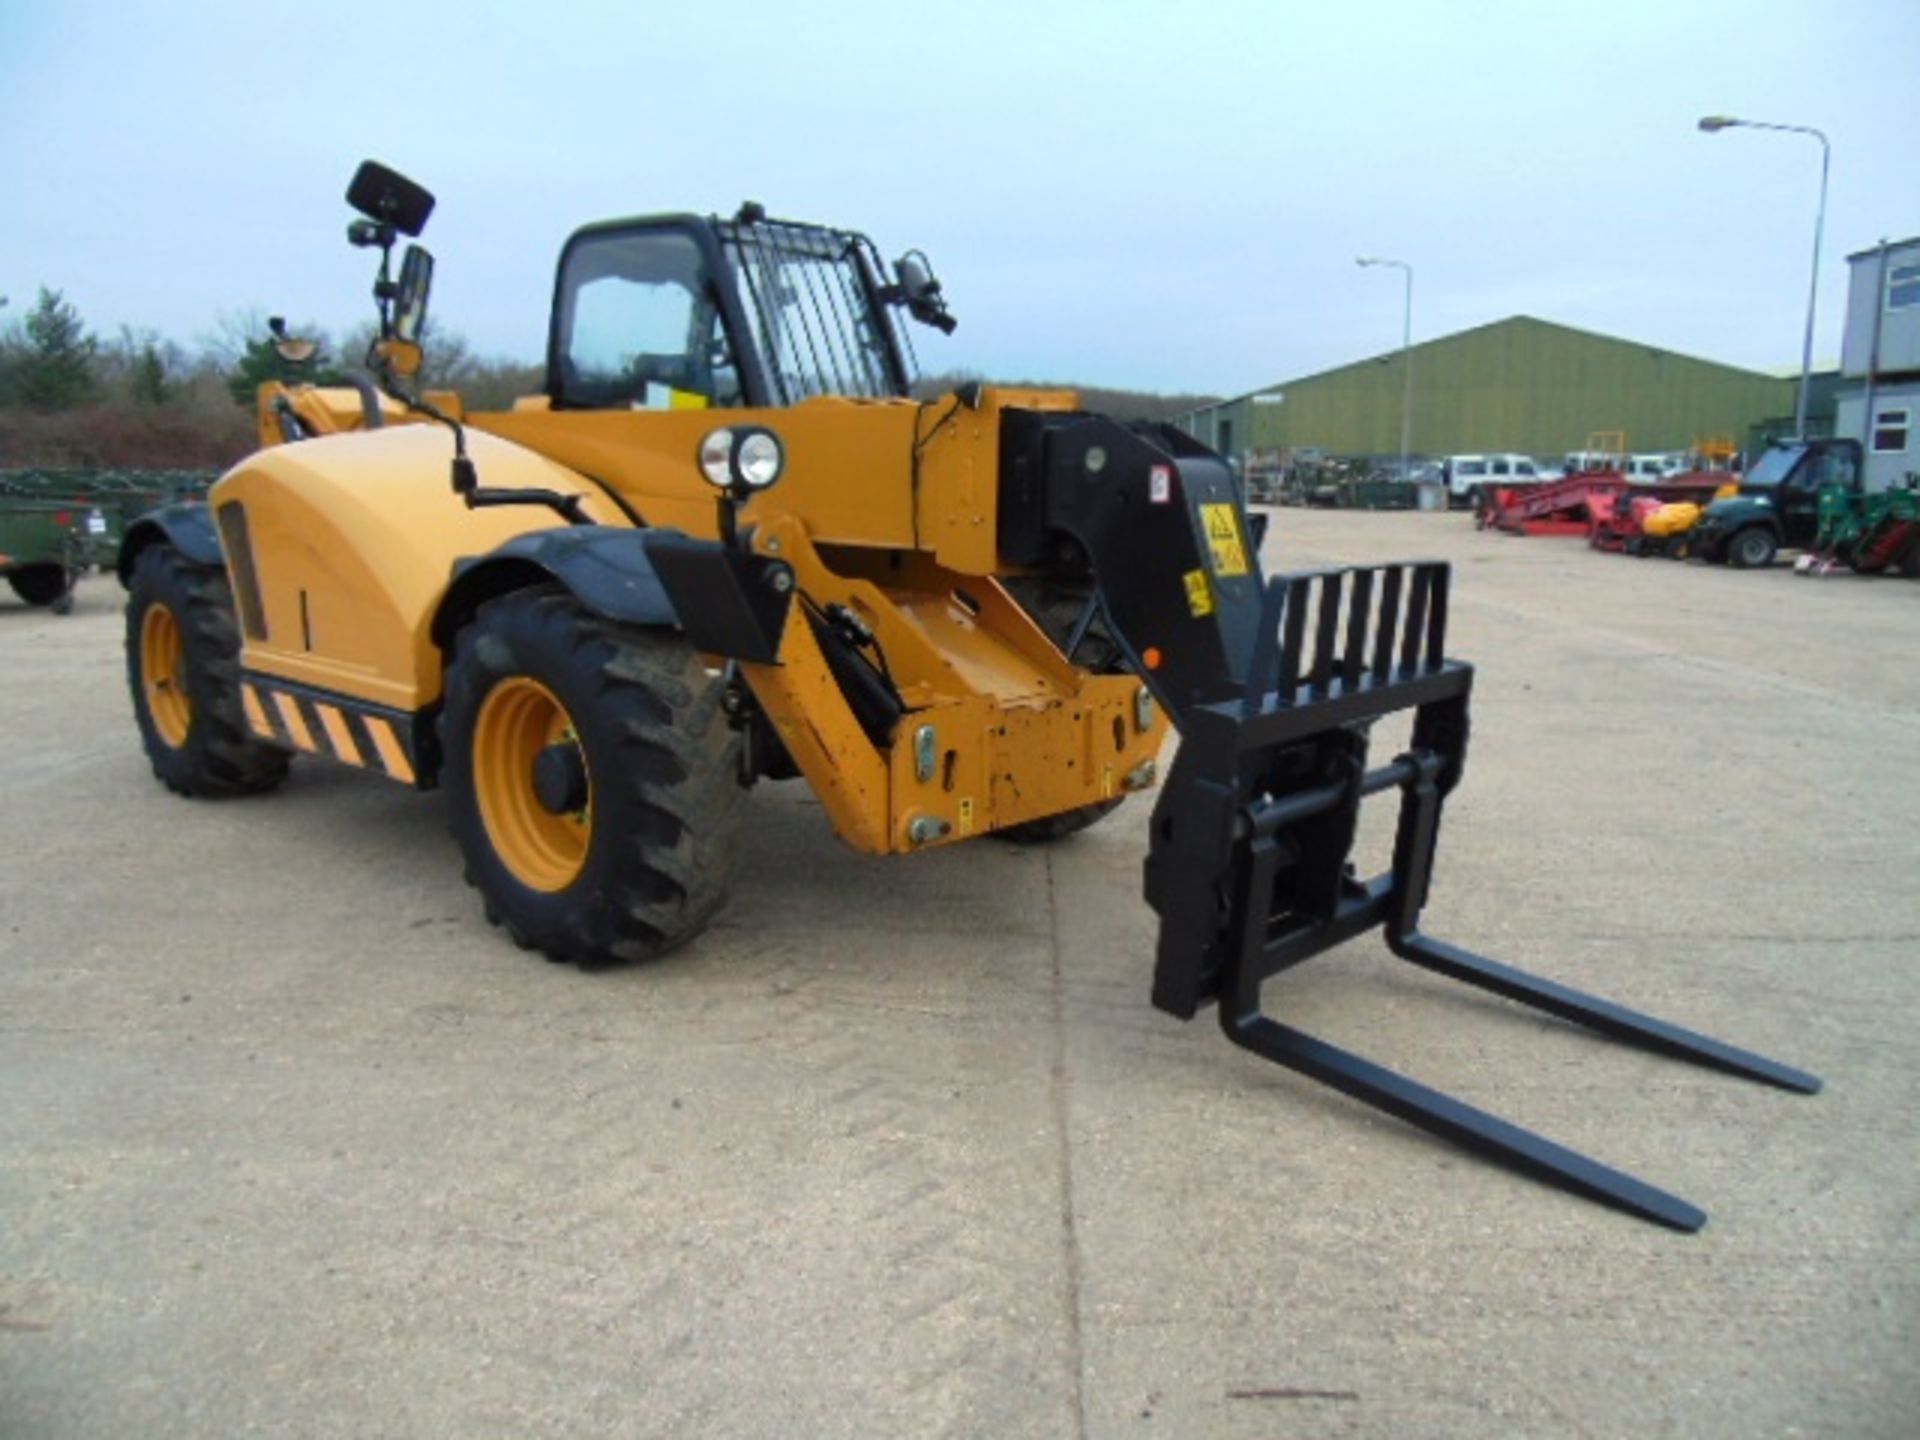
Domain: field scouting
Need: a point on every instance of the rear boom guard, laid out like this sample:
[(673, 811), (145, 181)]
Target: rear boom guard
[(1249, 870)]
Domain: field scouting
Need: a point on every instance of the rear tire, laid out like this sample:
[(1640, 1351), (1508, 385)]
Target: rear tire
[(44, 586), (1752, 549), (183, 668), (1058, 827), (1058, 609), (639, 756), (1855, 558)]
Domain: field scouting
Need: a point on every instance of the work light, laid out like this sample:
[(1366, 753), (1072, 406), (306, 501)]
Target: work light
[(745, 457)]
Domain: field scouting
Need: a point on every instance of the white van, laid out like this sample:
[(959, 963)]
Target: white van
[(1467, 473), (1650, 469), (1643, 469)]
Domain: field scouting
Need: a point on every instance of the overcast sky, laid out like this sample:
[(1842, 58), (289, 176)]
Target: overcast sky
[(1167, 196)]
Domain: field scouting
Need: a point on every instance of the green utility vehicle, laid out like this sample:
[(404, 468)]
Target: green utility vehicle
[(1778, 506)]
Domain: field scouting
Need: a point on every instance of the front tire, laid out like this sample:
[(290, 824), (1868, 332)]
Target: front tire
[(1752, 549), (45, 586), (183, 668), (592, 780)]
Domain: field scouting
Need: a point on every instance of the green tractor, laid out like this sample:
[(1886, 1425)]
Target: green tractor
[(1869, 534), (1778, 505)]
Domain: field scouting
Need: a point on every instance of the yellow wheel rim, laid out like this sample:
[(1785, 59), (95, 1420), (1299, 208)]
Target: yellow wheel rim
[(518, 719), (163, 675)]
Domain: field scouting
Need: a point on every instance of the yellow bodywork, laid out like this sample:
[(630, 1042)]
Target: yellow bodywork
[(1671, 520), (1678, 517), (354, 539), (887, 507)]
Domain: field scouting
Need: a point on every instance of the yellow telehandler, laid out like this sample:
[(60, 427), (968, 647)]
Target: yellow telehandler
[(725, 545)]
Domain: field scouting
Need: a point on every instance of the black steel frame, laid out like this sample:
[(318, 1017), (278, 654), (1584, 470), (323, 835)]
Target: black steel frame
[(1249, 864), (840, 339)]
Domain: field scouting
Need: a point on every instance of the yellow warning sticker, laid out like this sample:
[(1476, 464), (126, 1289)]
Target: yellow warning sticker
[(1199, 593), (1223, 538), (966, 815)]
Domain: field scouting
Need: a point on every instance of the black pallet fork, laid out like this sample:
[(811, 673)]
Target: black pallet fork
[(1248, 865)]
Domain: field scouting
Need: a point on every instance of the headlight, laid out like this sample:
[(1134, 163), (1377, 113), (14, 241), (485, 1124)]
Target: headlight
[(716, 458), (758, 460), (748, 457)]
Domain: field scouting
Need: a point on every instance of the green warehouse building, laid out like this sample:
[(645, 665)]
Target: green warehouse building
[(1521, 385)]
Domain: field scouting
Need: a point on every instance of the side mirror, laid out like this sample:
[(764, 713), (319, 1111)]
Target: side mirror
[(389, 198), (410, 299), (920, 291), (916, 276)]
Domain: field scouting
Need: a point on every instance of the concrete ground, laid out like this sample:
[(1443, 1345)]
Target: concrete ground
[(292, 1144)]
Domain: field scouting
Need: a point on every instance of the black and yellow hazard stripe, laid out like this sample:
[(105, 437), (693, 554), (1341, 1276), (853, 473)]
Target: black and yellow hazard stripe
[(317, 723)]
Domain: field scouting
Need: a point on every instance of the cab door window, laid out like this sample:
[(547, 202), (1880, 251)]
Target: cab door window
[(639, 325)]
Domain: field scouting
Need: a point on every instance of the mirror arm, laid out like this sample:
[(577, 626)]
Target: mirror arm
[(465, 474), (391, 386), (384, 289), (568, 507)]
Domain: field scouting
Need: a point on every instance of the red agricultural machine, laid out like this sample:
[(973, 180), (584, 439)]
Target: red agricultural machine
[(1608, 500)]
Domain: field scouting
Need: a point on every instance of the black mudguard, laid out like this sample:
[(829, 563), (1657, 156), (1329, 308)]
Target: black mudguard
[(186, 525), (727, 601)]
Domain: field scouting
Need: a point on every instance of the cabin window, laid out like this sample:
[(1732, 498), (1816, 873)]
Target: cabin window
[(1903, 287)]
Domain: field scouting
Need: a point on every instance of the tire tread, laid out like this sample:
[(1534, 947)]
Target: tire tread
[(674, 780), (221, 758)]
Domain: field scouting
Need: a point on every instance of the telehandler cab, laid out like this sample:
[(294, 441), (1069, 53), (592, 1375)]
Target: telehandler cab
[(725, 545)]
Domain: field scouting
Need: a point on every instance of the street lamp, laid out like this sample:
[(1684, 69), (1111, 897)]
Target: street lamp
[(1406, 355), (1713, 124)]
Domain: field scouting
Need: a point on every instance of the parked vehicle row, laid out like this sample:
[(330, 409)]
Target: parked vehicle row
[(1805, 495)]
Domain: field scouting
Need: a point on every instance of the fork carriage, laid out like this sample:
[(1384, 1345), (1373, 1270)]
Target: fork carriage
[(1249, 864)]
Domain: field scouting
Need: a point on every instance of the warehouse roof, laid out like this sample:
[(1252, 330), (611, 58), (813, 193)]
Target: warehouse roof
[(1475, 330)]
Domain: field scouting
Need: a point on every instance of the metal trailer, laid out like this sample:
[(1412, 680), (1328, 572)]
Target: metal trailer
[(55, 525), (43, 549), (116, 497)]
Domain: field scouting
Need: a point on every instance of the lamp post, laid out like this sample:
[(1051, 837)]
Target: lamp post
[(1406, 355), (1713, 124)]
